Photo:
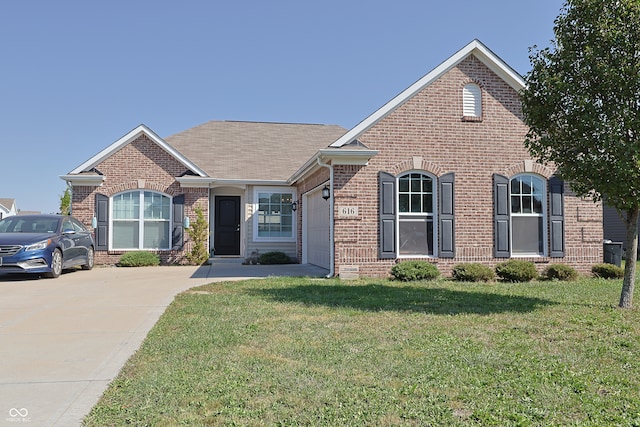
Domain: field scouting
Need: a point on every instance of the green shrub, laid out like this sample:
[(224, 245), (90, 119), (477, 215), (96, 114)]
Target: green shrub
[(607, 271), (560, 272), (516, 270), (274, 257), (199, 233), (473, 272), (138, 259), (414, 270)]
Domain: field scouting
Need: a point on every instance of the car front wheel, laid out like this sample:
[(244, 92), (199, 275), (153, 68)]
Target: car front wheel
[(56, 265), (90, 260)]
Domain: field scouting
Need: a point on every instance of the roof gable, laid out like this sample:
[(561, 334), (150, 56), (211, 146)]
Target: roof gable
[(476, 48), (7, 204), (127, 139)]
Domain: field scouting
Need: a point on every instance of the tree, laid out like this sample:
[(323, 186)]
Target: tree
[(582, 104), (199, 232), (65, 202)]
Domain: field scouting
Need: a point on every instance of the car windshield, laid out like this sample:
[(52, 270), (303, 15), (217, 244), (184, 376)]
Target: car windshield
[(17, 224)]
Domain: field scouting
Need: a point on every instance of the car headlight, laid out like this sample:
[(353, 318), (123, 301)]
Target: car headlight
[(38, 246)]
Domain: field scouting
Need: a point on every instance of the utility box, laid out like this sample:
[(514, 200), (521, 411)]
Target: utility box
[(613, 253)]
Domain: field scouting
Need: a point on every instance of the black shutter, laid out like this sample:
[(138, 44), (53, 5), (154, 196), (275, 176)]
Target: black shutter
[(387, 205), (501, 216), (102, 222), (556, 216), (446, 216), (177, 241)]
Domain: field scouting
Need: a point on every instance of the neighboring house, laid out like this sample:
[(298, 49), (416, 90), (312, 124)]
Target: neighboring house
[(7, 207), (438, 173), (615, 229)]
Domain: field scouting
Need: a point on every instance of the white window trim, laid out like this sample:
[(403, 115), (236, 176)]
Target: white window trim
[(545, 232), (256, 202), (140, 221), (434, 199)]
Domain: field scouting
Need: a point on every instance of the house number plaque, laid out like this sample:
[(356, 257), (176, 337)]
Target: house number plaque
[(347, 211)]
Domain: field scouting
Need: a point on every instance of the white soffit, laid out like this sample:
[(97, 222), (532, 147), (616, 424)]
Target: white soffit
[(128, 138), (91, 180), (334, 157), (476, 48)]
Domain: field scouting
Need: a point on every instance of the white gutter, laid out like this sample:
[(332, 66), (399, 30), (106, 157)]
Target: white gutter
[(337, 156), (331, 227), (190, 181), (89, 180)]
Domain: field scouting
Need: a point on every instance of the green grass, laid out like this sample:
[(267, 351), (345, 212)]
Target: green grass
[(291, 352)]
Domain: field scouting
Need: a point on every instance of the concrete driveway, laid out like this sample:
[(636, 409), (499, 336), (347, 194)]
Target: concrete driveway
[(63, 340)]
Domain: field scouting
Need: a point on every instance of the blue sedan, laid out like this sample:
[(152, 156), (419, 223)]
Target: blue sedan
[(44, 244)]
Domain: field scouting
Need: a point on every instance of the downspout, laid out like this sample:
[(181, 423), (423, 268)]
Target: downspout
[(331, 228), (70, 187)]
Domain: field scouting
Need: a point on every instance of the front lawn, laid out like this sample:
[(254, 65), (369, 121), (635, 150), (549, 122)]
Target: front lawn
[(323, 352)]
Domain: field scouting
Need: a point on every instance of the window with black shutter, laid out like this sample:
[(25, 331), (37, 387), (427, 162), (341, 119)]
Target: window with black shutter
[(416, 215), (523, 225)]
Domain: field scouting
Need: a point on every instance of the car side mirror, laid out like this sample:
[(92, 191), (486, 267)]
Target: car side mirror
[(69, 231)]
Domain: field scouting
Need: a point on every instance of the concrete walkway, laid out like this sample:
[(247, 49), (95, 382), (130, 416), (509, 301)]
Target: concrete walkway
[(63, 340)]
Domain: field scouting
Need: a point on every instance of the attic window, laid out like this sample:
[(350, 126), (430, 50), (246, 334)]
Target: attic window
[(471, 102)]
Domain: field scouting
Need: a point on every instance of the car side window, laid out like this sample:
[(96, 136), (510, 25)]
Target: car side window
[(67, 225), (78, 225)]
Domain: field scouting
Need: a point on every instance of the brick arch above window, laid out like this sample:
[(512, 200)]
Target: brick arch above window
[(472, 81), (528, 166), (140, 184), (417, 163)]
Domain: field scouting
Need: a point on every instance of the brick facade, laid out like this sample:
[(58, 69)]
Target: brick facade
[(428, 133), (142, 164), (425, 131)]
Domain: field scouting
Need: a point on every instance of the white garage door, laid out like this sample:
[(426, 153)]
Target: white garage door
[(318, 232)]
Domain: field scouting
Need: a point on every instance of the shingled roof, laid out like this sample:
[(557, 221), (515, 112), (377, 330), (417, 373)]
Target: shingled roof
[(253, 150), (6, 202)]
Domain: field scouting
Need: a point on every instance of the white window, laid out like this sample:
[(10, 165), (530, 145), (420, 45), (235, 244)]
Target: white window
[(528, 206), (141, 220), (472, 101), (273, 218), (416, 214)]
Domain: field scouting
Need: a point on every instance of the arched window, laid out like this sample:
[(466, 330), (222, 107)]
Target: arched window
[(416, 214), (528, 205), (141, 220), (471, 101)]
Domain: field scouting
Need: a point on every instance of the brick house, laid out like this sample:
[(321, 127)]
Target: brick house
[(438, 173)]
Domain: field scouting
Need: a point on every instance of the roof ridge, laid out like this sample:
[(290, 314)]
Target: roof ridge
[(268, 123)]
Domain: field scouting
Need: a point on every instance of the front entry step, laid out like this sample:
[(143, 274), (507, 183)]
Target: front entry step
[(225, 260)]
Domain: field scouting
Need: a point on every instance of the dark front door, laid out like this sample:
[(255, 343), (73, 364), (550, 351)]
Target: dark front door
[(226, 238)]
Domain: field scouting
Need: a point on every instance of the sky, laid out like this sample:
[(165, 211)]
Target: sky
[(75, 76)]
